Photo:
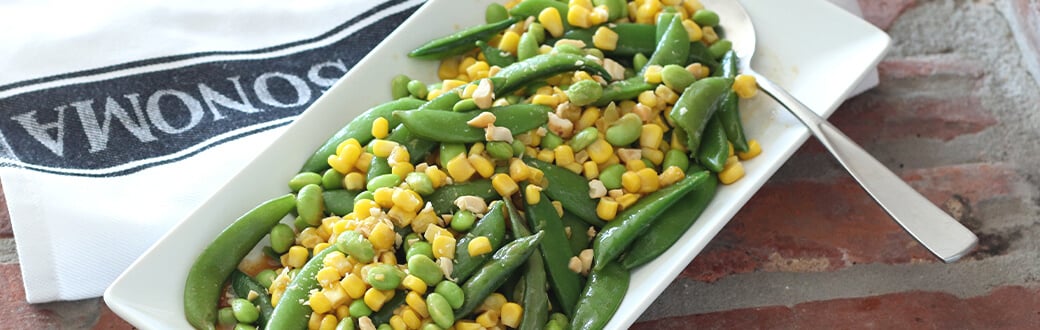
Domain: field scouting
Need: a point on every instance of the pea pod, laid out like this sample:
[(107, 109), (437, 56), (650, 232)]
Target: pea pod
[(714, 148), (242, 284), (291, 312), (696, 105), (534, 297), (495, 56), (443, 199), (418, 148), (633, 38), (206, 278), (492, 226), (671, 225), (556, 251), (444, 126), (360, 128), (571, 190), (461, 41), (528, 8), (623, 90), (387, 311), (728, 111), (619, 233), (601, 297), (579, 238), (674, 46), (496, 271), (699, 54), (542, 66), (615, 8)]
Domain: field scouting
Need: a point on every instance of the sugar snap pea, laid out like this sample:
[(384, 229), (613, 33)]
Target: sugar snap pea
[(360, 128), (578, 238), (496, 271), (569, 189), (672, 224), (443, 199), (696, 105), (492, 226), (528, 8), (339, 201), (242, 284), (303, 179), (291, 312), (443, 126), (418, 148), (674, 46), (461, 41), (534, 297), (205, 280), (619, 233), (728, 111), (623, 90), (633, 38), (615, 8), (495, 56), (384, 314), (714, 148), (542, 66), (699, 54), (601, 297), (556, 252)]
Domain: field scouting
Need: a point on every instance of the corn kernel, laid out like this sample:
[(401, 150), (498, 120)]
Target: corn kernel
[(600, 151), (450, 84), (504, 185), (354, 285), (380, 127), (692, 29), (518, 171), (375, 299), (314, 322), (319, 303), (437, 176), (648, 180), (488, 319), (382, 237), (328, 275), (578, 16), (478, 246), (627, 200), (630, 181), (343, 311), (384, 197), (536, 176), (297, 256), (655, 156), (546, 100), (692, 6), (411, 318), (563, 154), (493, 301), (414, 283), (480, 69), (590, 169), (448, 69), (670, 175), (416, 302), (484, 167), (382, 148), (588, 118), (509, 42), (551, 21), (533, 194), (606, 209), (731, 173), (546, 155), (444, 247), (666, 94), (635, 165), (363, 162), (559, 207), (708, 35), (754, 149), (397, 323), (745, 86), (468, 325), (652, 74), (354, 181), (648, 98), (460, 169)]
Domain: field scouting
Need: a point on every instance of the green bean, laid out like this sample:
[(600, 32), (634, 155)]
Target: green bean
[(572, 191), (383, 181), (556, 251), (425, 269), (242, 285), (384, 277), (360, 129), (331, 179), (440, 310), (633, 38), (673, 157), (535, 299), (420, 183), (696, 105), (611, 176), (303, 179), (673, 223), (450, 127), (492, 226), (704, 17), (601, 297), (339, 201), (543, 66), (714, 149), (496, 271), (443, 199), (417, 89), (355, 245), (282, 237), (625, 130), (728, 109), (461, 41), (676, 77), (205, 280), (291, 313), (584, 138), (495, 12), (451, 292), (399, 86), (584, 92)]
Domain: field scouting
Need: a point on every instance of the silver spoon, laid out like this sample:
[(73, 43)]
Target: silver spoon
[(946, 238)]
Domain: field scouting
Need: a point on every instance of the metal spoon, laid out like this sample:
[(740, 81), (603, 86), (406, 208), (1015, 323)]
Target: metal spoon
[(946, 238)]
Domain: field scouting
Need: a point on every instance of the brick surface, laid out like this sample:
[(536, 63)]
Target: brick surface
[(5, 216), (14, 311), (1025, 24), (110, 321), (1012, 307), (882, 13), (812, 225)]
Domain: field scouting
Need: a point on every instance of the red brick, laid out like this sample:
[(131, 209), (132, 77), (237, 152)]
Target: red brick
[(882, 13), (1024, 20), (5, 217), (14, 311), (825, 224), (1004, 308), (110, 321), (928, 66)]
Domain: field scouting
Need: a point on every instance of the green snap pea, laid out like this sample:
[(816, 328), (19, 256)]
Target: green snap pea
[(242, 284), (384, 277), (291, 313), (346, 323), (584, 92), (728, 109), (331, 179), (570, 189), (339, 201), (377, 167), (584, 138), (440, 310), (696, 105), (633, 38), (543, 66), (431, 326), (303, 179), (619, 233), (495, 12), (673, 157), (355, 245), (461, 41), (420, 248), (714, 149), (556, 325), (225, 316), (420, 183), (495, 56), (674, 46), (595, 52), (623, 90), (383, 315), (704, 17), (442, 126), (282, 237), (417, 89), (615, 8), (418, 148), (559, 317), (451, 292), (556, 252), (534, 297), (672, 224), (399, 86), (244, 310), (499, 150), (611, 176), (463, 220), (720, 48), (496, 271), (538, 31), (550, 141), (528, 45), (384, 181), (601, 297), (625, 130), (212, 267), (676, 77), (662, 24), (528, 8), (266, 277), (568, 49), (443, 199), (578, 229), (359, 309), (699, 54), (425, 269), (518, 148), (492, 226), (361, 129)]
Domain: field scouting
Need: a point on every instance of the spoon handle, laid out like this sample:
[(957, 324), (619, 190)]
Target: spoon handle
[(946, 238)]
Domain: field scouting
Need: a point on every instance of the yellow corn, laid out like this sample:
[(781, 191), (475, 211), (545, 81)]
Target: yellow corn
[(416, 302), (407, 199), (630, 181), (488, 319), (533, 194), (559, 207), (537, 176), (375, 299), (692, 29), (508, 43), (397, 322), (402, 169), (492, 302), (600, 151), (731, 173), (590, 170), (448, 69), (745, 86), (339, 261), (423, 220), (546, 100), (670, 175), (450, 84), (578, 16), (468, 325), (382, 148), (354, 181), (564, 155), (344, 161), (551, 20), (651, 136), (504, 185), (510, 314), (708, 35), (754, 149), (655, 156), (444, 246), (648, 181), (384, 197), (354, 285), (635, 165), (363, 208), (380, 128), (599, 15), (482, 165), (319, 303), (465, 63), (627, 200), (606, 209), (308, 237), (411, 318), (588, 117), (648, 98), (297, 256), (647, 12), (460, 169), (345, 143), (328, 275), (652, 74), (314, 322), (573, 167), (479, 70), (518, 171), (414, 283), (467, 92), (666, 94), (692, 6), (605, 38), (398, 155), (382, 237), (363, 162), (437, 176), (478, 246), (546, 155), (342, 311)]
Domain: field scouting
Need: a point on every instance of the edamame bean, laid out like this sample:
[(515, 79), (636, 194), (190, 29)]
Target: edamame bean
[(420, 248), (244, 310), (420, 183), (595, 52), (226, 316), (499, 149), (528, 46), (365, 195), (384, 277), (584, 92), (399, 86), (358, 308), (425, 269), (538, 30), (519, 148), (555, 325), (463, 220), (243, 326), (384, 181), (356, 246), (417, 89), (584, 138), (611, 176), (567, 49), (440, 310), (266, 277), (676, 77), (465, 105), (550, 141), (625, 130), (384, 326), (431, 326), (303, 179), (282, 237), (495, 12), (639, 61), (451, 292), (346, 323), (559, 317), (704, 17), (720, 48), (332, 179)]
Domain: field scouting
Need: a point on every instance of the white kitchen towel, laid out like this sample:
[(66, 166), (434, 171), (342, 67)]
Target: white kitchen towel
[(118, 118)]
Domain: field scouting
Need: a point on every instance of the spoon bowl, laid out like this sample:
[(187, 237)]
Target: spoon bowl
[(942, 235)]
